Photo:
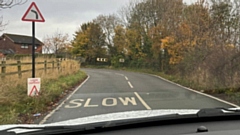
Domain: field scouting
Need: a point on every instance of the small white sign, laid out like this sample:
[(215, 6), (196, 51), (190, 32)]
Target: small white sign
[(121, 60), (34, 86), (102, 59)]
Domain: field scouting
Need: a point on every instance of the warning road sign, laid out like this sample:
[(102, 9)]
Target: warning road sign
[(34, 86), (33, 14)]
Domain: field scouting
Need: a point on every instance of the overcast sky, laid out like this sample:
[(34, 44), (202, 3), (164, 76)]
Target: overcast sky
[(64, 16)]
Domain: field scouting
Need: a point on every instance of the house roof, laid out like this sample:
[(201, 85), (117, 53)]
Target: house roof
[(22, 39)]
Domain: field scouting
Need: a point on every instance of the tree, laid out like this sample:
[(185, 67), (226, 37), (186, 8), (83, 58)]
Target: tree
[(11, 3), (134, 43), (226, 16), (8, 4), (150, 20), (89, 42), (56, 43), (108, 23), (2, 24), (120, 42)]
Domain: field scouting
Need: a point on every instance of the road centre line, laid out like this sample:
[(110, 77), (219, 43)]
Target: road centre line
[(129, 83), (142, 101), (53, 111)]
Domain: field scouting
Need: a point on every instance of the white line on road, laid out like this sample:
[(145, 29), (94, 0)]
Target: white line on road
[(126, 78), (53, 111), (130, 84), (142, 101), (218, 99)]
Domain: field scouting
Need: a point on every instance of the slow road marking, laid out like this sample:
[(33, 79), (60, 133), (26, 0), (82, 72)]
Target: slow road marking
[(108, 102)]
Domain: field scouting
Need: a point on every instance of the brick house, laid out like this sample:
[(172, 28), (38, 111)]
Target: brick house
[(18, 44)]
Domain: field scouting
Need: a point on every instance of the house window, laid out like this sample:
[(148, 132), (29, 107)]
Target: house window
[(24, 46), (35, 47)]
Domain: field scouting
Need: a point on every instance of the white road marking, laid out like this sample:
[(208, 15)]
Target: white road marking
[(127, 100), (129, 83), (109, 102), (218, 99), (126, 78), (53, 111), (142, 101), (87, 104), (76, 102), (113, 102)]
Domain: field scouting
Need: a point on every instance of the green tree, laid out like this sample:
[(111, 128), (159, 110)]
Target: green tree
[(89, 42), (120, 41)]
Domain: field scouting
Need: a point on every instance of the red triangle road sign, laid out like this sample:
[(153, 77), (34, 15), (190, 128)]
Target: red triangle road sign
[(33, 14), (34, 90)]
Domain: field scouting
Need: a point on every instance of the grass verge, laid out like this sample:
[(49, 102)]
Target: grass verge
[(17, 107)]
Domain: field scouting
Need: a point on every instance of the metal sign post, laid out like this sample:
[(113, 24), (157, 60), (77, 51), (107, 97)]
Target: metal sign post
[(33, 49), (33, 15)]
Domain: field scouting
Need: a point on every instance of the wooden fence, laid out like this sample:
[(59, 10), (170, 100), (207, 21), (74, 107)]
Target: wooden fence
[(19, 64)]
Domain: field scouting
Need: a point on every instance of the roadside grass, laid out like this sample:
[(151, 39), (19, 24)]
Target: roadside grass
[(16, 107)]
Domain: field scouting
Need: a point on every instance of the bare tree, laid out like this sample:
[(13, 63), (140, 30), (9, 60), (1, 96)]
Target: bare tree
[(8, 4), (2, 24), (108, 24), (56, 43), (11, 3)]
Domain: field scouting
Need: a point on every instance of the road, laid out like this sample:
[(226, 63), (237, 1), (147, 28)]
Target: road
[(107, 91)]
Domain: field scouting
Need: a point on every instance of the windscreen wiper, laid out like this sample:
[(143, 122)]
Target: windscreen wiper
[(214, 112)]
